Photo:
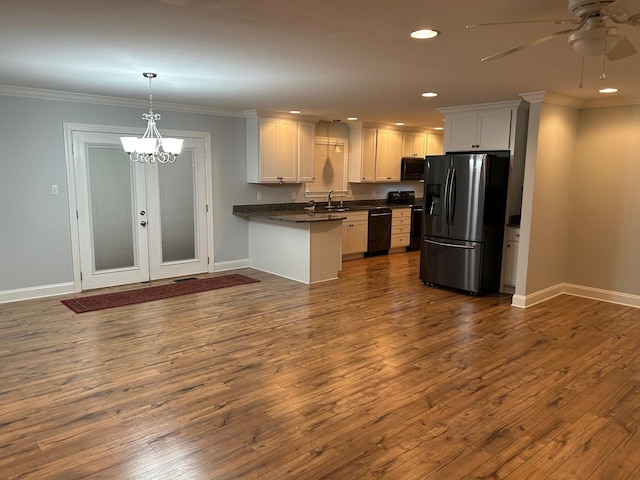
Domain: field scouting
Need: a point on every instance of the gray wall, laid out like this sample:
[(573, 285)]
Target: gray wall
[(35, 235), (35, 239)]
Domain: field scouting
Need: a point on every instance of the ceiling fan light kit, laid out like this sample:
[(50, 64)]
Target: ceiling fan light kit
[(591, 36), (595, 41)]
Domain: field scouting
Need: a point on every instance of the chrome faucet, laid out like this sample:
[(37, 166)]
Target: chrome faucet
[(329, 200)]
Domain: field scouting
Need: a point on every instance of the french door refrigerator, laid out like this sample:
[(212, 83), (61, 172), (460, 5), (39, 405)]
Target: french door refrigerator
[(465, 199)]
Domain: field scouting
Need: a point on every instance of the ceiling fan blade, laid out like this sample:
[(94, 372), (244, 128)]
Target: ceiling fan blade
[(623, 49), (530, 44), (620, 8), (557, 22)]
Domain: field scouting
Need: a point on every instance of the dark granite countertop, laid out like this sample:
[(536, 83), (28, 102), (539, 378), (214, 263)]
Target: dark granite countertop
[(296, 212), (284, 213)]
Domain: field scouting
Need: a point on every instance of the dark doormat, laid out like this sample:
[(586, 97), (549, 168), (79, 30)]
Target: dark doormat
[(148, 294)]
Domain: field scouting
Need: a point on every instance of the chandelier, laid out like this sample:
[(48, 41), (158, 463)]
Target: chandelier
[(151, 147)]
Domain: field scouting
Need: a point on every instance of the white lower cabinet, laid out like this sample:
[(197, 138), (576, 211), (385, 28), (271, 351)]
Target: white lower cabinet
[(354, 233), (511, 256), (400, 227)]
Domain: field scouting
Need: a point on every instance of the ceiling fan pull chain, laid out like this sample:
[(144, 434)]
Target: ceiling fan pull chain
[(581, 73), (604, 59)]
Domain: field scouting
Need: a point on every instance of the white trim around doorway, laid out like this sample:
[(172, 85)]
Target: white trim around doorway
[(69, 128)]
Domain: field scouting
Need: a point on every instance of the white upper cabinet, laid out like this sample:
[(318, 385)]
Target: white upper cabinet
[(414, 144), (275, 146), (362, 154), (306, 154), (481, 127), (480, 130), (388, 155), (374, 155), (435, 144)]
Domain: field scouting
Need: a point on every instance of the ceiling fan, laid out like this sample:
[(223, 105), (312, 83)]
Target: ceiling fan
[(591, 36)]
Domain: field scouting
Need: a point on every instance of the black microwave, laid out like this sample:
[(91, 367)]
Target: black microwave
[(412, 168)]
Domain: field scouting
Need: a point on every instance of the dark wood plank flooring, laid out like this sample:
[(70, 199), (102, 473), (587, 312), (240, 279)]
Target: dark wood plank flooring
[(373, 376)]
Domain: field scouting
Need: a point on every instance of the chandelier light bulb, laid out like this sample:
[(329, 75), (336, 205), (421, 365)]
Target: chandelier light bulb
[(151, 147)]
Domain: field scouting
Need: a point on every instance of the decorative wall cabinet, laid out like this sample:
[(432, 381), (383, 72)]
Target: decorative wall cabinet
[(279, 150)]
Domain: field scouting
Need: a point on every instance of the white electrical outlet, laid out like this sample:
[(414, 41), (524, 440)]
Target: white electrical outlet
[(54, 190), (259, 195), (294, 195)]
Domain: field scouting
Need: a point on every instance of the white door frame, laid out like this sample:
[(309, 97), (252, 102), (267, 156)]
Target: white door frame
[(69, 128)]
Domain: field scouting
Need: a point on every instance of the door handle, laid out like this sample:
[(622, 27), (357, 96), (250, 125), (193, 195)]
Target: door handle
[(142, 212), (143, 223)]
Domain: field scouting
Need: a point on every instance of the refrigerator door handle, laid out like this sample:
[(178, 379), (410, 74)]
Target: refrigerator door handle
[(442, 244), (446, 196), (452, 196)]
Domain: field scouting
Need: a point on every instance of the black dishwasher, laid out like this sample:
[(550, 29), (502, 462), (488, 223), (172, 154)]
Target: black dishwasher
[(379, 231)]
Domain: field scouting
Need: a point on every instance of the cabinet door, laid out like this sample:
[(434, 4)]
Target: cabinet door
[(287, 151), (369, 143), (435, 144), (345, 236), (358, 236), (461, 132), (511, 263), (414, 144), (494, 129), (388, 154), (306, 152), (268, 154)]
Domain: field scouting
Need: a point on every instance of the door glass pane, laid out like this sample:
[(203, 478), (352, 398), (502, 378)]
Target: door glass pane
[(178, 208), (111, 197)]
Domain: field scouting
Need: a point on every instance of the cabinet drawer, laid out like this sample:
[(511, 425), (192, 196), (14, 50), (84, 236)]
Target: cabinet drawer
[(400, 213), (400, 229), (513, 234), (356, 216), (396, 222), (399, 240)]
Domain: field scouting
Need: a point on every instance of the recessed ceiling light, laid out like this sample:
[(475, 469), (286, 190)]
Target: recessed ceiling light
[(429, 94), (294, 111), (352, 118), (608, 90), (424, 33), (439, 128), (399, 124)]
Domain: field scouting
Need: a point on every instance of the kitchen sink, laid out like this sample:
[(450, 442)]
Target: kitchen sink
[(336, 209)]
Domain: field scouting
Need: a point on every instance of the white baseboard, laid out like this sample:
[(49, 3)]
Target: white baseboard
[(36, 292), (620, 298), (231, 265), (525, 301)]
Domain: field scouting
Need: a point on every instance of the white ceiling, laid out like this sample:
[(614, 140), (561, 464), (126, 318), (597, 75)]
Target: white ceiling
[(327, 58)]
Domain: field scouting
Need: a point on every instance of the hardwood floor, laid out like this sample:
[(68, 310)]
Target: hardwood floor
[(373, 376)]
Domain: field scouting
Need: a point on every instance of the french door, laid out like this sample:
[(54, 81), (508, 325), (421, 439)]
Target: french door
[(138, 222)]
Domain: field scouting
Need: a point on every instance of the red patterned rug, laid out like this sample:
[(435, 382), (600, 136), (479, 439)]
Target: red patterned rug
[(148, 294)]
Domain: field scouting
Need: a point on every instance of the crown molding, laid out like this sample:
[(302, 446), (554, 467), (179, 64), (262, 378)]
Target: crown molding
[(482, 106), (114, 101), (580, 103)]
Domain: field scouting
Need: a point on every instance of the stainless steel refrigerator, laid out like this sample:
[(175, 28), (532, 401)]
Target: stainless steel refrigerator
[(465, 198)]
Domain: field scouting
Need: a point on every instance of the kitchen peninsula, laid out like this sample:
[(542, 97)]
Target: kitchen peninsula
[(289, 241)]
